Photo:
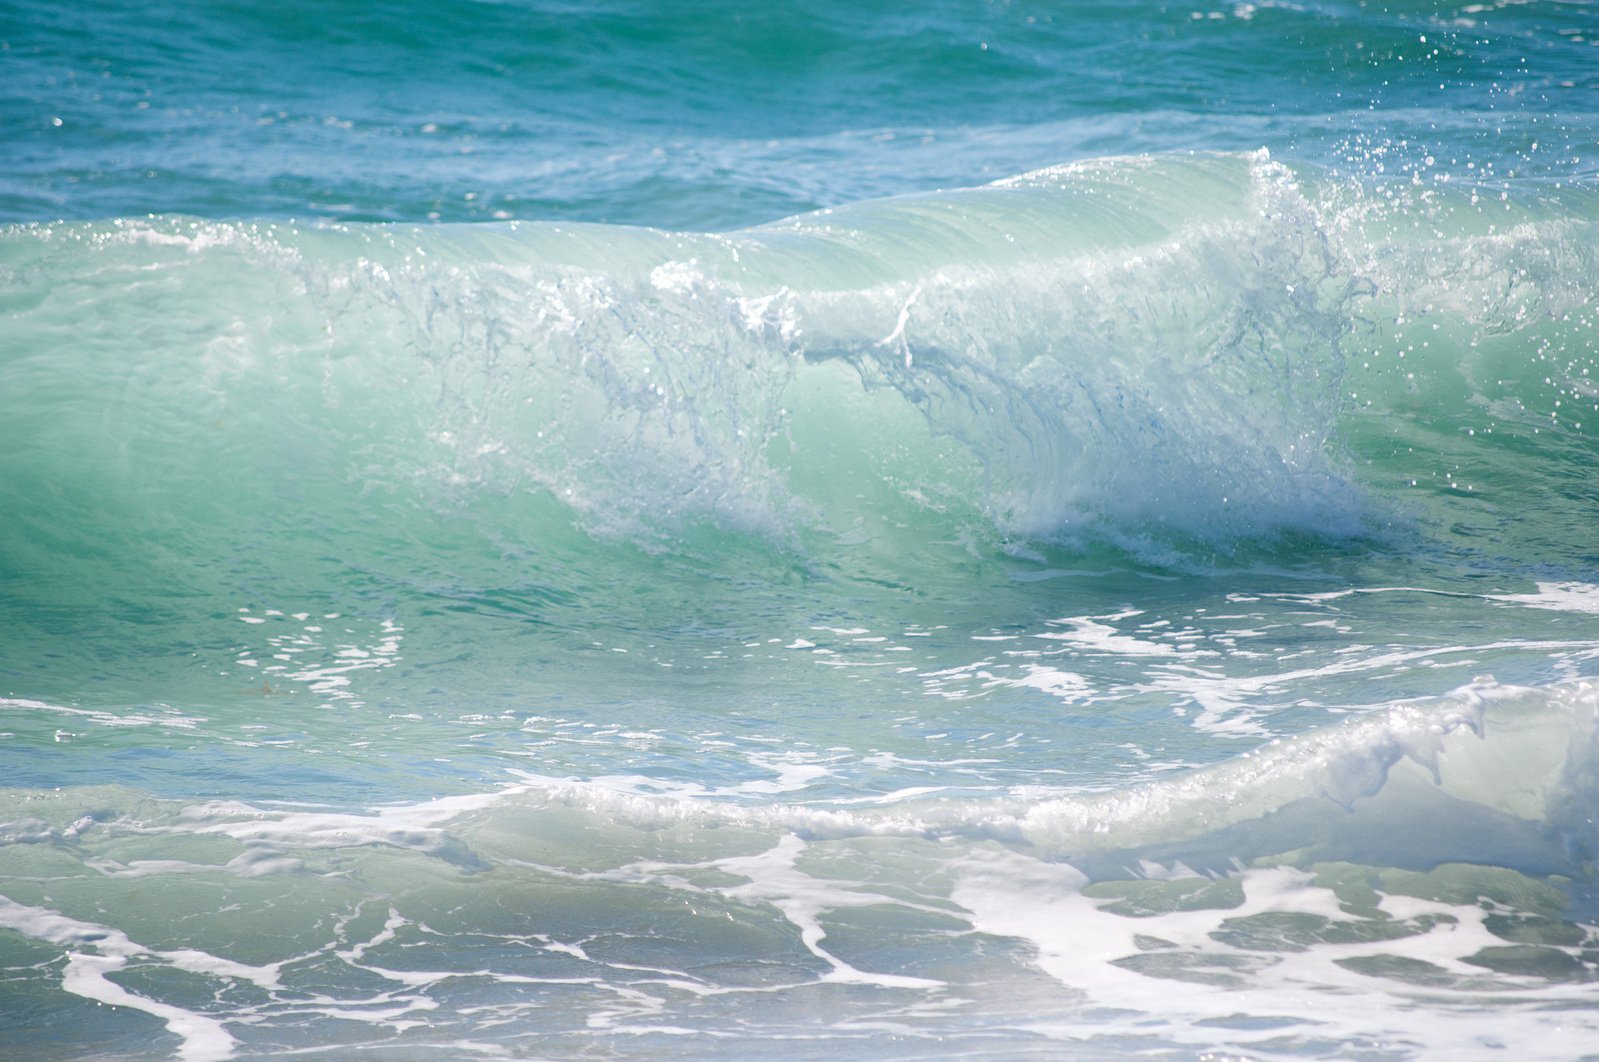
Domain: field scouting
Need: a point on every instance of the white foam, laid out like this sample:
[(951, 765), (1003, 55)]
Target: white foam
[(167, 716), (1305, 992), (1559, 597), (93, 951), (774, 878)]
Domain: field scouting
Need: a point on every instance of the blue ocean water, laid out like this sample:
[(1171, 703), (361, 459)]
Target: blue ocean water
[(544, 530)]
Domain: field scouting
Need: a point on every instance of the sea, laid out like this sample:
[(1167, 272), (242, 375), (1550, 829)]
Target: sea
[(998, 529)]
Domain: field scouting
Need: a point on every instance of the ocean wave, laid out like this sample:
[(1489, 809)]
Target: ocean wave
[(1209, 349), (1488, 774)]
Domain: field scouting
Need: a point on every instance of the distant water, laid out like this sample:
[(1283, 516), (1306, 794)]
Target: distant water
[(541, 530)]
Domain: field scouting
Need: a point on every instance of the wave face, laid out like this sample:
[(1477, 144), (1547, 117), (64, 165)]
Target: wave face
[(1075, 354), (1109, 572)]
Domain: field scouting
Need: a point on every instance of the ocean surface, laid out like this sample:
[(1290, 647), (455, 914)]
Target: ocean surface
[(997, 530)]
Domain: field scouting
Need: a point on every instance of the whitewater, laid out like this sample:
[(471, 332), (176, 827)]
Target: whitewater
[(1022, 531)]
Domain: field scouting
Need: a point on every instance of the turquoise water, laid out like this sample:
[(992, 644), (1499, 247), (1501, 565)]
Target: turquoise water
[(1011, 530)]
